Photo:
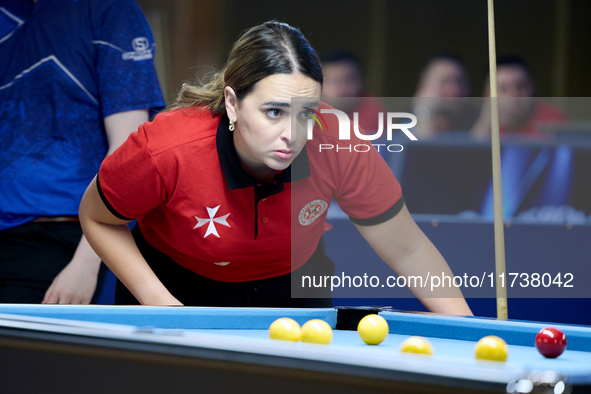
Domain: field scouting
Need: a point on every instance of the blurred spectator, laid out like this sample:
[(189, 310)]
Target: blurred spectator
[(343, 78), (440, 103), (519, 110)]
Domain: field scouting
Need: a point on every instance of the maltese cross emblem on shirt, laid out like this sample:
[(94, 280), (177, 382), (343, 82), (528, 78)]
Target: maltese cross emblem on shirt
[(211, 220)]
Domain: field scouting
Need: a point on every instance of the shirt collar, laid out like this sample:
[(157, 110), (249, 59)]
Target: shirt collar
[(235, 175)]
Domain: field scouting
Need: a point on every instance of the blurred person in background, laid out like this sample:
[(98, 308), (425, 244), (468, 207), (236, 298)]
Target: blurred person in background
[(344, 78), (519, 110), (440, 102)]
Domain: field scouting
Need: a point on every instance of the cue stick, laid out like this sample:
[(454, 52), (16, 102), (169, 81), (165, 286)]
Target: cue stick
[(502, 312)]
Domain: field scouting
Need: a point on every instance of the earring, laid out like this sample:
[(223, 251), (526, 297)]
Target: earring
[(231, 125)]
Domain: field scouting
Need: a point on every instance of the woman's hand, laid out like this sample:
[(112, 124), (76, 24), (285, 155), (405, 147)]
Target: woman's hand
[(112, 241), (404, 247)]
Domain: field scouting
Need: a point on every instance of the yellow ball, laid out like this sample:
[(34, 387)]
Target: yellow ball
[(373, 329), (417, 345), (491, 348), (317, 331), (285, 329)]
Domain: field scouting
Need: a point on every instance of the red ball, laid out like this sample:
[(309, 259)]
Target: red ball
[(550, 342)]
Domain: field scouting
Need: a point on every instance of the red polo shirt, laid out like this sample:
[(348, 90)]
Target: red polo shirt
[(181, 178)]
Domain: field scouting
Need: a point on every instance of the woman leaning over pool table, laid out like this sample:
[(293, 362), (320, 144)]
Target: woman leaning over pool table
[(212, 185)]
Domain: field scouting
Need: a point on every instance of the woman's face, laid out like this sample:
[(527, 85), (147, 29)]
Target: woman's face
[(263, 122)]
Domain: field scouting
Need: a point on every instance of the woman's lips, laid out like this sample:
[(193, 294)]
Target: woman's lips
[(284, 154)]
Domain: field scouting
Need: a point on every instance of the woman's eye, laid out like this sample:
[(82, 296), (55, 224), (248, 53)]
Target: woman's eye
[(306, 114), (274, 113)]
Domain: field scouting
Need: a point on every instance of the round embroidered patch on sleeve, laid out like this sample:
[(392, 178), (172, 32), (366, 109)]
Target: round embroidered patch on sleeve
[(312, 211)]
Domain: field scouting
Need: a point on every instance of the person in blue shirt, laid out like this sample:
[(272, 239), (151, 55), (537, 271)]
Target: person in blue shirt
[(76, 77)]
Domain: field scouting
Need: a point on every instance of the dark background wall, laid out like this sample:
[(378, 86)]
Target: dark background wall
[(392, 37)]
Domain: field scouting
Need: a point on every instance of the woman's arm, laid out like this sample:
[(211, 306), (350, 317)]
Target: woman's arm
[(404, 247), (111, 239)]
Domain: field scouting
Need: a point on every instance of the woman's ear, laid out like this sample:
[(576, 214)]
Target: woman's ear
[(231, 102)]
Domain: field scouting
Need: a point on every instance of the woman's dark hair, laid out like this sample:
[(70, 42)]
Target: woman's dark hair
[(267, 49)]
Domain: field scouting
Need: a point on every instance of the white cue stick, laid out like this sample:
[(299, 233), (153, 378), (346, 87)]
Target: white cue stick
[(502, 312)]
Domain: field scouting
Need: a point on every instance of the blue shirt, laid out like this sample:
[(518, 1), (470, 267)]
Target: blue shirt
[(64, 66)]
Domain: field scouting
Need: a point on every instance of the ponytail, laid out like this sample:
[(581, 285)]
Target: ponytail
[(209, 95), (267, 49)]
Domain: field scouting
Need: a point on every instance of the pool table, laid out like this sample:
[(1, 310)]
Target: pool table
[(132, 349)]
